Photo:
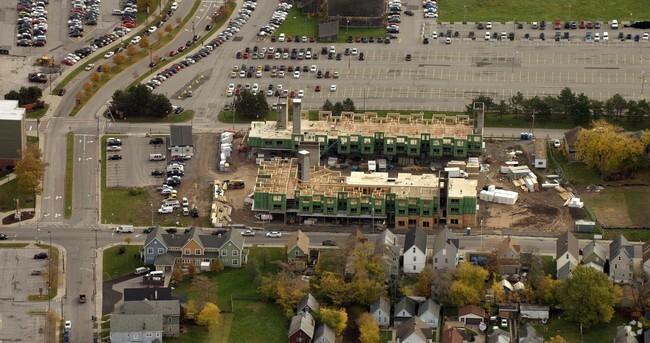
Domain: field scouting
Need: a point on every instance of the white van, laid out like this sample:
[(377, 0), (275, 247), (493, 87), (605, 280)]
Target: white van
[(141, 270), (156, 157), (171, 202), (156, 273), (124, 228)]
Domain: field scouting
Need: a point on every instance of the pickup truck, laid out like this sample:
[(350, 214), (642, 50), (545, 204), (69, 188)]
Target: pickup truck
[(82, 298)]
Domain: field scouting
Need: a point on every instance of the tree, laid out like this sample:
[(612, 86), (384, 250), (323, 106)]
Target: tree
[(156, 59), (327, 106), (251, 106), (119, 59), (498, 292), (106, 68), (337, 109), (471, 275), (348, 105), (461, 294), (566, 101), (139, 101), (616, 105), (588, 297), (209, 316), (216, 265), (608, 149), (25, 95), (80, 95), (144, 42), (204, 291), (335, 288), (422, 286), (368, 328), (127, 240), (442, 280), (30, 170), (177, 275), (169, 28), (95, 77), (286, 288), (159, 35), (88, 86), (191, 270), (516, 102), (556, 339), (131, 50), (335, 318)]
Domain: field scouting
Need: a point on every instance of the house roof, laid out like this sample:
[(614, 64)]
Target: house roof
[(571, 136), (164, 307), (414, 325), (136, 322), (429, 306), (416, 237), (300, 240), (308, 300), (302, 322), (178, 240), (358, 237), (181, 135), (567, 242), (445, 239), (646, 251), (137, 294), (12, 130), (382, 303), (386, 237), (471, 309), (564, 271), (324, 332), (498, 336), (620, 245), (408, 304), (451, 335), (528, 334), (594, 253), (506, 245)]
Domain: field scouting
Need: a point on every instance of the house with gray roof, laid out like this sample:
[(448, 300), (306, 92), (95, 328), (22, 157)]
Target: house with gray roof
[(415, 251), (170, 310), (380, 311), (308, 304), (413, 330), (499, 336), (302, 327), (298, 250), (429, 312), (324, 334), (594, 255), (509, 255), (621, 255), (388, 248), (406, 308), (144, 328), (445, 250), (567, 254), (528, 334), (166, 251)]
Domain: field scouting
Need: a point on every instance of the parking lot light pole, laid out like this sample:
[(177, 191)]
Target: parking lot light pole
[(513, 61), (569, 12), (642, 81), (151, 204)]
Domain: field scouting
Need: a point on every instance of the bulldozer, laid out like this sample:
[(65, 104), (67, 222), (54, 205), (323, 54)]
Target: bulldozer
[(44, 61)]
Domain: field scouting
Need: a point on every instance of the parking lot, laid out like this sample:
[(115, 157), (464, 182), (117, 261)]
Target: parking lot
[(15, 274), (134, 169)]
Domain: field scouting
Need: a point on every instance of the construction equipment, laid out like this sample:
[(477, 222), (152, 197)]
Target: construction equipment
[(44, 61), (234, 184)]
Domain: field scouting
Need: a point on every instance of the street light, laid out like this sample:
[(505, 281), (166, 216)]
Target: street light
[(642, 81), (569, 12), (465, 15), (150, 204)]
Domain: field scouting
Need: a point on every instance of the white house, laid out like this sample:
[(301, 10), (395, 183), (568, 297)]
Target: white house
[(415, 251), (429, 312), (380, 311), (567, 254), (621, 254)]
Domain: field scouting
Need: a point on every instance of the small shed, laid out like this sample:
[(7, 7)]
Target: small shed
[(534, 312), (540, 153), (181, 142)]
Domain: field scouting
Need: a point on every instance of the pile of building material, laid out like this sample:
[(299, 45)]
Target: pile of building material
[(220, 209), (226, 150), (523, 178), (564, 194), (575, 203), (498, 196), (473, 166)]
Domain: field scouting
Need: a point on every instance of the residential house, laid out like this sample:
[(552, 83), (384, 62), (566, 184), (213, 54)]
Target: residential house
[(308, 304), (169, 309), (646, 258), (499, 336), (388, 248), (154, 293), (301, 329), (570, 138), (621, 255), (528, 334), (324, 334), (13, 135), (357, 237), (567, 254), (452, 335), (508, 254), (429, 312), (594, 255), (445, 250), (167, 251), (141, 328), (471, 315), (415, 251), (406, 308), (380, 311), (298, 250), (413, 330)]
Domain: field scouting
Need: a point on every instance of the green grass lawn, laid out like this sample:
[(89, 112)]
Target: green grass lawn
[(39, 113), (69, 174), (511, 10), (171, 118), (116, 264), (298, 24), (385, 336), (576, 172), (617, 207), (601, 333), (8, 192), (266, 317)]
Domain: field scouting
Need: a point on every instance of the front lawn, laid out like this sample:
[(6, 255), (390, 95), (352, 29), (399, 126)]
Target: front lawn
[(7, 193), (571, 332), (117, 263), (576, 172)]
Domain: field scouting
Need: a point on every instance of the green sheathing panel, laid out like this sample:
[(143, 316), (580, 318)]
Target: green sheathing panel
[(355, 144), (354, 206), (428, 207), (322, 142), (448, 146), (380, 207), (367, 145), (342, 201), (401, 145), (296, 138), (277, 202), (330, 205), (306, 205), (261, 200), (435, 149), (379, 142), (474, 144), (390, 203), (343, 145), (413, 206), (425, 143), (254, 142), (401, 207), (454, 206), (413, 146), (277, 143), (460, 148), (390, 146), (469, 206)]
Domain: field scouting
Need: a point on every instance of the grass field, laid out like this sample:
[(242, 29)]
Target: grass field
[(7, 193), (266, 317), (171, 118), (577, 173), (620, 207), (601, 333), (511, 10), (116, 264)]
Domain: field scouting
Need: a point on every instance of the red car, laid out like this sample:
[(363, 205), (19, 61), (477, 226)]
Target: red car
[(327, 74), (312, 39), (173, 53), (128, 25), (245, 55), (182, 48), (317, 89), (292, 94)]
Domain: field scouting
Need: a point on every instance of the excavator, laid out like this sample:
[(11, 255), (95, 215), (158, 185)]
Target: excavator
[(44, 61)]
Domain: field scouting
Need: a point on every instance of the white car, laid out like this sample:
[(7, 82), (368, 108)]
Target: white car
[(135, 40), (301, 93), (333, 88), (556, 143), (174, 6), (646, 36), (269, 93), (109, 54), (89, 67), (448, 40), (274, 234), (313, 68), (504, 322), (430, 15), (488, 35), (605, 36), (296, 74), (185, 202), (256, 87), (434, 35), (248, 233), (354, 51), (231, 87), (68, 325), (114, 148), (488, 25), (614, 24), (165, 209), (152, 29)]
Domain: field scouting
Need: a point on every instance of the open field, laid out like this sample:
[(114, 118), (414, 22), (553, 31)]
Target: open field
[(601, 333), (511, 10), (116, 264), (621, 207)]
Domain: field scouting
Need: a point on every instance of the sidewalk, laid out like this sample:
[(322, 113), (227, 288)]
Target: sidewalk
[(7, 178)]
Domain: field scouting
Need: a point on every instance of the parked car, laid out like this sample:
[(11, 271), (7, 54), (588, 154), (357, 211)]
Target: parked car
[(40, 256), (329, 243), (274, 234), (156, 140), (3, 237), (115, 157), (248, 233)]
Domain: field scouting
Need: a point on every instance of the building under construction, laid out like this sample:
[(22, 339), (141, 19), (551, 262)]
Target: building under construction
[(368, 134)]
